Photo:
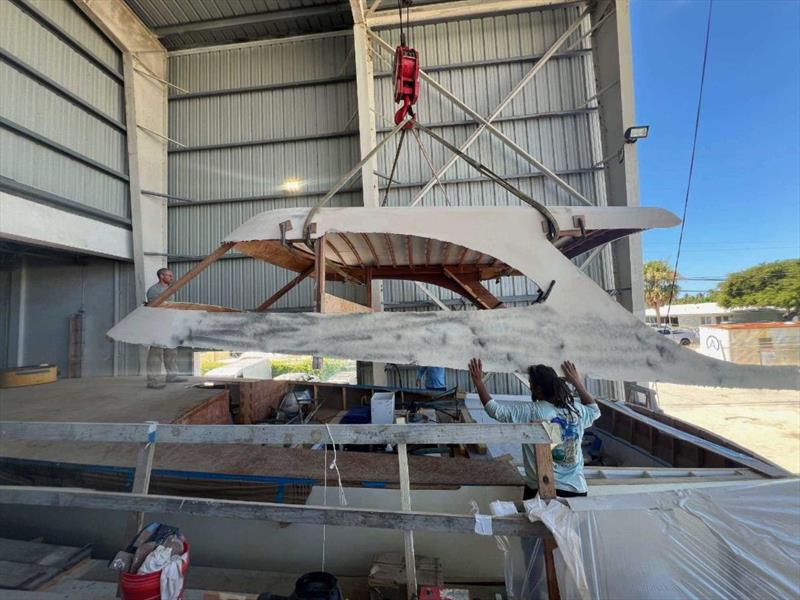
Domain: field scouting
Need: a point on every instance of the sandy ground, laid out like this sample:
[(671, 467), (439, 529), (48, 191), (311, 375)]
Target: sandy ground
[(765, 421)]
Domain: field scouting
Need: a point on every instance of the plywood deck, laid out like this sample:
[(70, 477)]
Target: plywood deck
[(103, 400), (121, 400)]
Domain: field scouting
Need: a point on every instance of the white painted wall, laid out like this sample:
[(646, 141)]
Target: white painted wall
[(32, 222)]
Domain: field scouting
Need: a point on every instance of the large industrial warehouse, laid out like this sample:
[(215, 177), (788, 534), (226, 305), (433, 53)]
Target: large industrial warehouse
[(400, 186)]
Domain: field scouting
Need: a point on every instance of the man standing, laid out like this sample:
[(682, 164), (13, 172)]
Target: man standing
[(433, 377), (156, 356)]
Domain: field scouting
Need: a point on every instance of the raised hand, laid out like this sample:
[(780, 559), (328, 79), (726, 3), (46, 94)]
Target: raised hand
[(571, 373), (476, 369)]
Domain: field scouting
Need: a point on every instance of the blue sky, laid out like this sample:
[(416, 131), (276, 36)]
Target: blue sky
[(744, 206)]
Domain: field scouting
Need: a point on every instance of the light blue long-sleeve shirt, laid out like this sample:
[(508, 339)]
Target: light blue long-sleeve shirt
[(568, 455), (431, 377)]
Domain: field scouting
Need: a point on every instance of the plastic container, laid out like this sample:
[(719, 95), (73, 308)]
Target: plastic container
[(382, 408), (147, 587)]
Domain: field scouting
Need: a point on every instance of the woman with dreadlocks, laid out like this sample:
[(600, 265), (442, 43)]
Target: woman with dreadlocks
[(553, 402)]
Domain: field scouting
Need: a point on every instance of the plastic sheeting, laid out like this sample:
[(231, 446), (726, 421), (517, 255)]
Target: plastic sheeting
[(733, 542)]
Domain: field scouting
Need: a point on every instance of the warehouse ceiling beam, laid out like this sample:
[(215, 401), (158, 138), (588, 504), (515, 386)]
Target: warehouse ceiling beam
[(503, 105), (529, 158), (461, 9), (261, 18)]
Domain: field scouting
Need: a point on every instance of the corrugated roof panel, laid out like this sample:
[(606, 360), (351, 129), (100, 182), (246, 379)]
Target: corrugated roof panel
[(166, 13), (162, 13), (76, 25), (37, 108), (32, 164), (335, 21), (33, 44)]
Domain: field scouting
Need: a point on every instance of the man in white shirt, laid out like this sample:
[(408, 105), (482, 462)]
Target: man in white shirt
[(157, 356)]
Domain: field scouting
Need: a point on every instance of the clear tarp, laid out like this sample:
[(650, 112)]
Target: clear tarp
[(734, 542)]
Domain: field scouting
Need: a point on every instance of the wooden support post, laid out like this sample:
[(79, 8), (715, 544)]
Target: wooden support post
[(282, 292), (319, 289), (141, 482), (198, 268), (368, 283), (405, 505), (547, 492)]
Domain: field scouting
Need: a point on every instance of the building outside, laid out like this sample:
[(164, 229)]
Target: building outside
[(776, 343), (711, 313)]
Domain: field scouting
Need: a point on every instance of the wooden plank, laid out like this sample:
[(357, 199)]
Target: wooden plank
[(25, 576), (428, 433), (141, 485), (337, 305), (46, 555), (547, 492), (194, 272), (409, 246), (405, 504), (319, 273), (264, 511), (284, 290), (544, 471), (474, 290)]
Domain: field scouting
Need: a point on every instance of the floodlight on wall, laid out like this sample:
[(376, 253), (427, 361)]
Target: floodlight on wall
[(638, 132)]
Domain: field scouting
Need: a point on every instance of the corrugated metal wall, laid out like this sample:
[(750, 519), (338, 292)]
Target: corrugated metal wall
[(252, 100), (255, 116), (5, 317), (62, 133)]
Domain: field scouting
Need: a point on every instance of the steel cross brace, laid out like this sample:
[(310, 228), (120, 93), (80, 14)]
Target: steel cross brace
[(487, 123)]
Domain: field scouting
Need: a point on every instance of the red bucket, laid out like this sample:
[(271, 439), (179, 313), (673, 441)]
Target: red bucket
[(147, 587)]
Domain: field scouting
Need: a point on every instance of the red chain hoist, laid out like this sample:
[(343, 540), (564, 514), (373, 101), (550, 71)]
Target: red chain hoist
[(406, 74)]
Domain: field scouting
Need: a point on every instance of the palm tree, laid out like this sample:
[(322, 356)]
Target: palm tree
[(658, 286)]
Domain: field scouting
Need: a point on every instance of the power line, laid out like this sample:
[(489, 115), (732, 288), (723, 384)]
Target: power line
[(691, 160)]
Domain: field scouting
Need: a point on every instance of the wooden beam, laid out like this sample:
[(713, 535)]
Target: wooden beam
[(282, 292), (455, 433), (319, 273), (336, 251), (198, 268), (409, 245), (445, 252), (368, 283), (547, 491), (461, 9), (462, 256), (390, 247), (352, 249), (265, 511), (405, 505), (474, 290), (141, 485), (427, 251), (368, 242)]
